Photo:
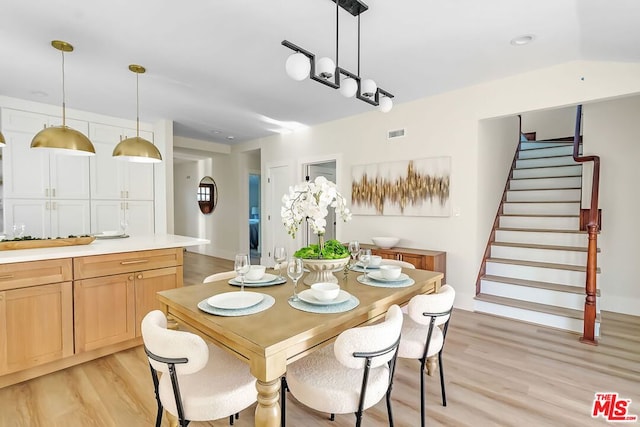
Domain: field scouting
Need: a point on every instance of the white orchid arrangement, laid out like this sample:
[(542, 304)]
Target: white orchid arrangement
[(311, 200)]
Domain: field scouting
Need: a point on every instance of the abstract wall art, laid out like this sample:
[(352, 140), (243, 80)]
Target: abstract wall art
[(410, 188)]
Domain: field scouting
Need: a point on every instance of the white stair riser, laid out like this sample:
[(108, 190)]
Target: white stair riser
[(569, 324), (551, 195), (550, 223), (549, 161), (539, 255), (538, 295), (546, 152), (570, 170), (542, 238), (528, 145), (551, 275), (542, 208), (537, 183)]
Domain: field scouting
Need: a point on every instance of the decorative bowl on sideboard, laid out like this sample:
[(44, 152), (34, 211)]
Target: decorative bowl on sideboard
[(385, 242)]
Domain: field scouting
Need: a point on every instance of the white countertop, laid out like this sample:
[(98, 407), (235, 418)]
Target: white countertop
[(102, 247)]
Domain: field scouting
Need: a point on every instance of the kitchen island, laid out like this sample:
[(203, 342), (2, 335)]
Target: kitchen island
[(63, 306)]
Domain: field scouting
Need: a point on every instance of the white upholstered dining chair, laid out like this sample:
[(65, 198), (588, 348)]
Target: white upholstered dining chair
[(219, 276), (198, 382), (351, 375), (403, 264), (424, 331)]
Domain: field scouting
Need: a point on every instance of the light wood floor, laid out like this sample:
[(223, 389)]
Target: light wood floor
[(498, 373)]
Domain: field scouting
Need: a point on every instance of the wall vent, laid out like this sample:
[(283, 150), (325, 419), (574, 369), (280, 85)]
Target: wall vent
[(398, 133)]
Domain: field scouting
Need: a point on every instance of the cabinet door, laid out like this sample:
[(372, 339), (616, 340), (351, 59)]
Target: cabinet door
[(104, 311), (106, 172), (139, 181), (69, 177), (139, 217), (70, 218), (34, 214), (417, 260), (37, 326), (106, 215), (148, 283)]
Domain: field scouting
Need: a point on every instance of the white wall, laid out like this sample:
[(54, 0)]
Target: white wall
[(448, 125), (551, 123), (186, 178)]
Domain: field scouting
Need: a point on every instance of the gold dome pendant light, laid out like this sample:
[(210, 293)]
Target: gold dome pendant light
[(2, 140), (63, 139), (137, 149)]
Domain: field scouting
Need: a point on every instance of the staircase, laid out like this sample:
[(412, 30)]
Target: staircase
[(536, 268)]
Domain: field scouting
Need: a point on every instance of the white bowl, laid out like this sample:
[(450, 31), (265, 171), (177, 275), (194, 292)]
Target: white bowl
[(385, 242), (324, 291), (111, 233), (256, 272), (375, 260), (390, 272)]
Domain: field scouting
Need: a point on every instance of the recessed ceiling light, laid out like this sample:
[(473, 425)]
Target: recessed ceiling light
[(522, 40), (231, 137)]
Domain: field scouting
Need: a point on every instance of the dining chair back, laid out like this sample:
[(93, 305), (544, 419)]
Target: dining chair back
[(198, 382), (424, 331), (219, 276), (351, 375), (403, 264)]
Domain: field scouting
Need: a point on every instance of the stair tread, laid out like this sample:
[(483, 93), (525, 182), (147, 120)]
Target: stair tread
[(537, 284), (541, 230), (534, 306), (544, 189), (543, 215), (545, 167), (539, 264), (538, 246), (547, 177), (543, 201)]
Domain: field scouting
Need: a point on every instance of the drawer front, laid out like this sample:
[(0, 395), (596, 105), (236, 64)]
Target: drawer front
[(25, 274), (127, 262)]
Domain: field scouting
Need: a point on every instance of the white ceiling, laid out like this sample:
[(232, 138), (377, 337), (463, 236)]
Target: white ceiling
[(217, 67)]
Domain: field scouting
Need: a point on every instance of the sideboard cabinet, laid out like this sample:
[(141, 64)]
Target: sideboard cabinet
[(420, 258)]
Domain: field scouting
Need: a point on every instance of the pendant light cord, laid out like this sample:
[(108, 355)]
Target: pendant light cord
[(137, 107), (63, 92), (358, 45), (337, 31)]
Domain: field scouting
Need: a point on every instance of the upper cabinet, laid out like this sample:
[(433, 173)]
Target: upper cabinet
[(133, 181), (32, 173)]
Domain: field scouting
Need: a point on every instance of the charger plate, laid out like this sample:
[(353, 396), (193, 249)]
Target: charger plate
[(389, 284), (350, 304)]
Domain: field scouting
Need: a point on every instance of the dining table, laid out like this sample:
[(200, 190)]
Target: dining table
[(271, 339)]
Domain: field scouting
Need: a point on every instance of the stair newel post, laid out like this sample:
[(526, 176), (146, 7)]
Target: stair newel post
[(588, 335)]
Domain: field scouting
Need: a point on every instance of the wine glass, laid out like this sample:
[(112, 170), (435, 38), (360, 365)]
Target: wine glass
[(365, 257), (295, 269), (241, 267), (354, 248), (123, 226), (279, 256), (18, 230)]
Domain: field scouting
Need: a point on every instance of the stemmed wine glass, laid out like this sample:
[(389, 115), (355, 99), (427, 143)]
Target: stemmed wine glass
[(354, 248), (279, 256), (241, 267), (365, 257), (295, 269)]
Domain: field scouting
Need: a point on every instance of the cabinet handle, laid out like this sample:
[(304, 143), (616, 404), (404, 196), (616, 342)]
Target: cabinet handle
[(121, 194), (130, 278), (121, 206), (126, 194), (136, 261), (53, 206), (126, 205), (46, 192), (53, 192), (6, 276), (46, 206), (139, 276)]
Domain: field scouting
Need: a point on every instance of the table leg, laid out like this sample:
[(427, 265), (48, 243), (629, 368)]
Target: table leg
[(268, 408), (432, 362)]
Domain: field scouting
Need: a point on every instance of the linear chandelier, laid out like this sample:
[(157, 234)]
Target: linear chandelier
[(303, 63)]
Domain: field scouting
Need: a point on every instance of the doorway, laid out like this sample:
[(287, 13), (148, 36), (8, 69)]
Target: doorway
[(312, 171), (255, 242)]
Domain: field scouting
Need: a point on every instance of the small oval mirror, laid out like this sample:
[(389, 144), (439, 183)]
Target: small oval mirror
[(207, 195)]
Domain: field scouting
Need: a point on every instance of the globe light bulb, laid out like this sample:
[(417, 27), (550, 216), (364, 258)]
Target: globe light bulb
[(325, 68), (368, 88), (298, 66), (348, 87), (385, 104)]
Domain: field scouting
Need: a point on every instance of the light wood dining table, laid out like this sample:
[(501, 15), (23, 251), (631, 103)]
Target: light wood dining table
[(269, 340)]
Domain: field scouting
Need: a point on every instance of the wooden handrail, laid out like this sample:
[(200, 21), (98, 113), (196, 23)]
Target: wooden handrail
[(588, 335)]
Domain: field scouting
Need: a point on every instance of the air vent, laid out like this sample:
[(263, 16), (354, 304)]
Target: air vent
[(398, 133)]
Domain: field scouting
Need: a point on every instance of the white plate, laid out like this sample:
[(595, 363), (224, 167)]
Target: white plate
[(369, 267), (235, 300), (377, 275), (307, 296), (268, 277)]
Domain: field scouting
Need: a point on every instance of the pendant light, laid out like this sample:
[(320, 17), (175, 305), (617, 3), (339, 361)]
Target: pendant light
[(137, 149), (63, 139)]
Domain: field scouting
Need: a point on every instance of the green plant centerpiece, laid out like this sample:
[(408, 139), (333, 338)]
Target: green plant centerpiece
[(311, 201)]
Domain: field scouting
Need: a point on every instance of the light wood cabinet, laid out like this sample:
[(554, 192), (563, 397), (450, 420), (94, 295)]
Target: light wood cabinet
[(36, 321), (114, 292), (420, 258)]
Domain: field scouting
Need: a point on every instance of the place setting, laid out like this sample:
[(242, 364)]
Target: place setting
[(386, 276), (257, 277), (322, 297), (240, 303)]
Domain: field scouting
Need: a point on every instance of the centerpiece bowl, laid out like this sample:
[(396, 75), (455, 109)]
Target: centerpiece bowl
[(321, 270)]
